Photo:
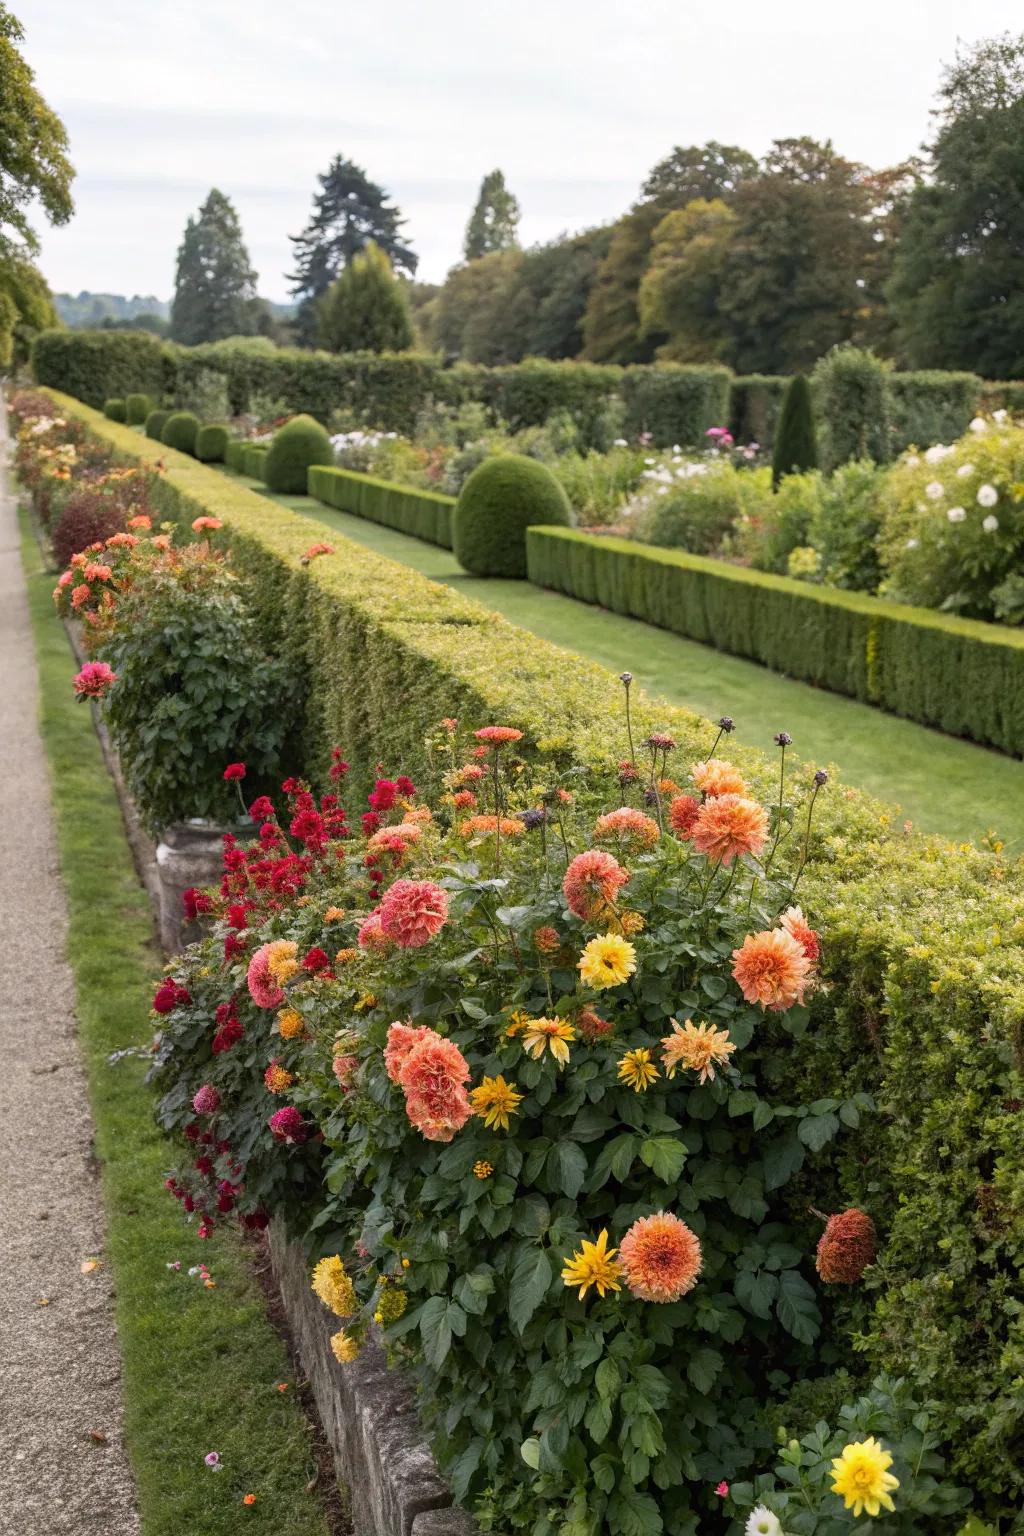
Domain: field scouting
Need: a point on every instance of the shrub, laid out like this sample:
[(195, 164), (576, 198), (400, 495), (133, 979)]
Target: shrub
[(254, 460), (179, 431), (754, 405), (697, 507), (675, 403), (773, 526), (931, 406), (796, 446), (299, 443), (95, 365), (137, 408), (88, 517), (211, 444), (851, 401), (501, 499), (424, 514), (155, 423), (115, 410), (845, 524), (234, 454)]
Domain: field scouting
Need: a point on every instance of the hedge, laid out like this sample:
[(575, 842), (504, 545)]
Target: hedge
[(924, 946), (755, 401), (96, 365), (137, 408), (423, 514), (960, 675), (253, 460), (115, 409), (211, 443), (931, 406), (674, 403), (234, 454)]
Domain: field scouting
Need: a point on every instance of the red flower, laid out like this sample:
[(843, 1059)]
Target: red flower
[(94, 680), (371, 821), (237, 915), (206, 1100), (194, 902), (315, 961), (847, 1246), (234, 771), (405, 786), (308, 826), (233, 945), (287, 1125), (383, 796), (166, 996), (262, 808), (229, 1034), (256, 1221), (682, 813)]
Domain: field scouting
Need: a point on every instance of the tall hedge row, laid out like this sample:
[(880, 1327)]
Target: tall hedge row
[(95, 366), (923, 945), (424, 514), (960, 675)]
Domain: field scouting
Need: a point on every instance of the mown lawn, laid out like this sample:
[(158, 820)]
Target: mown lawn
[(943, 785), (201, 1367)]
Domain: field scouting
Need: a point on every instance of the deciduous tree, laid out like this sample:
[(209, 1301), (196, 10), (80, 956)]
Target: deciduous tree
[(494, 221), (33, 147)]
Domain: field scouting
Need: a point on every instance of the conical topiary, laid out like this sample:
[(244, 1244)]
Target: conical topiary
[(796, 445)]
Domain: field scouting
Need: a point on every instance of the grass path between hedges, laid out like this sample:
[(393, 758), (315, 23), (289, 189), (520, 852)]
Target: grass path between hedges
[(201, 1367), (942, 784)]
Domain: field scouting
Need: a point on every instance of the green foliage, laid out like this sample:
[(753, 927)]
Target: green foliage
[(234, 454), (212, 443), (501, 499), (155, 422), (494, 220), (180, 431), (698, 511), (214, 284), (775, 525), (34, 166), (26, 304), (964, 677), (611, 325), (365, 309), (680, 291), (674, 403), (796, 444), (931, 407), (754, 405), (845, 525), (424, 514), (115, 409), (254, 460), (299, 444), (851, 398), (137, 409), (96, 365)]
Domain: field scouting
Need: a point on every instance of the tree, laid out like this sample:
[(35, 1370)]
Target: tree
[(366, 308), (957, 288), (484, 310), (680, 292), (794, 274), (495, 219), (699, 171), (349, 210), (215, 286), (33, 147), (26, 305), (796, 446)]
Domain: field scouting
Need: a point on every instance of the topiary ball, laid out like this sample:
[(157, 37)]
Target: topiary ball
[(503, 497), (300, 443), (115, 409), (137, 408), (211, 443), (180, 431), (155, 424)]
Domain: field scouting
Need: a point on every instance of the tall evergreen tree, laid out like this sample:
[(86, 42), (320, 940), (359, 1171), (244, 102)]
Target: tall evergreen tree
[(215, 286), (796, 445), (495, 219), (365, 309), (349, 210)]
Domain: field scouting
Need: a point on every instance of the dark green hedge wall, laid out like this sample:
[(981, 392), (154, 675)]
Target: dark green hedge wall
[(424, 514)]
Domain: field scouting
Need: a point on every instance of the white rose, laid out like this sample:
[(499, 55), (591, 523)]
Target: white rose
[(964, 471), (761, 1522), (987, 495), (990, 523), (937, 454), (956, 514), (620, 442), (978, 425), (650, 461), (933, 490)]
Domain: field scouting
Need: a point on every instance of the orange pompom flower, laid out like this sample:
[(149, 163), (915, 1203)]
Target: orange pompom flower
[(498, 735), (729, 825), (592, 881), (411, 912), (433, 1077), (660, 1258), (847, 1246), (717, 777), (682, 813), (401, 1039), (772, 969), (797, 926), (627, 826)]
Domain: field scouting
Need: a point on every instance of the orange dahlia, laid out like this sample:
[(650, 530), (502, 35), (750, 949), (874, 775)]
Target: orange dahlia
[(660, 1257), (729, 825), (546, 940), (277, 1078), (411, 912), (401, 1039), (717, 777), (592, 881), (482, 826), (498, 735), (433, 1077), (698, 1047), (592, 1026), (847, 1246), (771, 969), (682, 813), (627, 826), (371, 934), (797, 926)]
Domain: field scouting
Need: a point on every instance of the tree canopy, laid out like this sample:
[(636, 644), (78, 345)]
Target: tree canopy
[(33, 147), (365, 309), (494, 222), (215, 285)]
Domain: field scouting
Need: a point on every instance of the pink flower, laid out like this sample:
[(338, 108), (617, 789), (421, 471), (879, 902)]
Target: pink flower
[(401, 1039), (722, 1490), (206, 1101), (233, 772), (287, 1125), (94, 680), (263, 989), (433, 1077), (344, 1068), (371, 935), (412, 911)]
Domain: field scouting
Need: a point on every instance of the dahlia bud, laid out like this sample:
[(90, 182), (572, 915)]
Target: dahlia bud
[(847, 1246), (821, 777), (783, 739)]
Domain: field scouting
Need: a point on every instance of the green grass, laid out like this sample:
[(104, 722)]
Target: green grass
[(940, 783), (200, 1367)]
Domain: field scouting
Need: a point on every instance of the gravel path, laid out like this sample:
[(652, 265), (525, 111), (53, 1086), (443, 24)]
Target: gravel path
[(63, 1467)]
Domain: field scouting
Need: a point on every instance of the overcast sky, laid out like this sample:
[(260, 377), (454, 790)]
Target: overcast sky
[(574, 99)]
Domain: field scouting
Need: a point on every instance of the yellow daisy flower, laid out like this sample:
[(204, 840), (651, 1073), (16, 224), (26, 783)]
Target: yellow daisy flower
[(495, 1100), (594, 1265), (638, 1070), (551, 1035), (862, 1478), (607, 961)]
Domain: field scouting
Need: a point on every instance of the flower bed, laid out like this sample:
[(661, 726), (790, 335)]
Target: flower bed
[(923, 962)]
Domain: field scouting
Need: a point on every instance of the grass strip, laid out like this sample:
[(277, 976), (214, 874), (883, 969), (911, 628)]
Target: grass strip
[(201, 1367)]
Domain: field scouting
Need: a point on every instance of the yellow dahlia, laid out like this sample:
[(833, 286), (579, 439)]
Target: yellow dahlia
[(862, 1478), (483, 1169), (552, 1035), (344, 1346), (494, 1101), (289, 1023), (593, 1265), (333, 1286), (638, 1071), (607, 961), (698, 1047), (281, 961)]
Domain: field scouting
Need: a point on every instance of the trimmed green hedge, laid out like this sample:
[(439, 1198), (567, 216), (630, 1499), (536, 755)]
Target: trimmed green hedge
[(423, 514), (299, 444), (180, 431), (137, 408), (97, 365), (931, 406), (503, 497), (254, 459), (675, 403), (211, 443), (923, 942), (234, 454), (755, 402), (960, 675), (115, 409), (155, 423)]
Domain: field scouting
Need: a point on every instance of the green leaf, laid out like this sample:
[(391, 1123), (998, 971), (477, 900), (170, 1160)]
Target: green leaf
[(632, 1513), (567, 1168), (797, 1307), (756, 1290), (607, 1378), (530, 1282), (702, 1367), (782, 1159), (664, 1156), (435, 1331), (715, 986), (815, 1130), (598, 1419), (530, 1452)]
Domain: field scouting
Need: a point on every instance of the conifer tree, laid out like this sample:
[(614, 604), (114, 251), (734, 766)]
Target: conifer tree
[(366, 309), (215, 286), (796, 446), (495, 219)]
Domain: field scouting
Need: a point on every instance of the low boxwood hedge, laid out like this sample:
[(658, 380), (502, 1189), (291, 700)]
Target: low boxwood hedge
[(924, 943), (958, 674), (425, 515), (253, 460), (180, 431), (234, 454)]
